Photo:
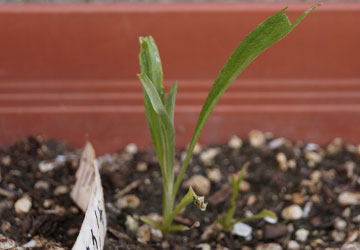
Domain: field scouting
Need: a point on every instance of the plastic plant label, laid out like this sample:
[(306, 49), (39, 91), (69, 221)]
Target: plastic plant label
[(93, 230), (84, 178)]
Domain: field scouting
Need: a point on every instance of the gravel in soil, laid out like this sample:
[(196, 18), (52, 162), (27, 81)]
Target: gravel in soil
[(314, 191)]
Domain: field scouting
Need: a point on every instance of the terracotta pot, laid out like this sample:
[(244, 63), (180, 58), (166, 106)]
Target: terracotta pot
[(68, 71)]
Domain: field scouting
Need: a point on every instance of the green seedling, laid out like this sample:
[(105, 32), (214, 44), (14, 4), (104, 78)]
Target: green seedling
[(227, 221), (160, 112)]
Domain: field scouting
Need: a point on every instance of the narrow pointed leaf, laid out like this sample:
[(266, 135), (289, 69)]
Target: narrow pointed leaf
[(175, 227), (263, 36), (150, 63), (151, 222), (170, 101), (166, 132), (264, 213)]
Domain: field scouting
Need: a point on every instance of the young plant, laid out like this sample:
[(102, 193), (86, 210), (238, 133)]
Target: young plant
[(227, 221), (160, 112)]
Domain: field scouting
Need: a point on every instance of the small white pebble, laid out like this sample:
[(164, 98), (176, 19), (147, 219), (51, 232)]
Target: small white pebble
[(340, 224), (349, 198), (207, 156), (302, 234), (214, 175), (269, 246), (141, 166), (23, 205), (62, 189), (293, 212), (131, 148), (200, 183), (241, 229), (257, 138), (235, 142), (293, 245)]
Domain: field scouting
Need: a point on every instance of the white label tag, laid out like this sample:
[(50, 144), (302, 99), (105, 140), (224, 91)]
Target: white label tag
[(93, 230), (85, 175)]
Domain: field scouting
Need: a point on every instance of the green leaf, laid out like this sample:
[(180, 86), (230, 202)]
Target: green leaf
[(166, 128), (151, 222), (235, 190), (150, 63), (263, 36), (167, 141), (264, 213), (170, 101), (175, 227)]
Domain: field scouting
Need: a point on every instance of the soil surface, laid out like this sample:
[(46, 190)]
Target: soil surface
[(315, 193)]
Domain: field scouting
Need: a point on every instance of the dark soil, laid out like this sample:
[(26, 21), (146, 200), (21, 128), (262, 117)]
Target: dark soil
[(311, 177)]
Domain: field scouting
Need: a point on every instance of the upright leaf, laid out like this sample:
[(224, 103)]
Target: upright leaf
[(263, 36), (150, 65), (170, 101), (167, 133)]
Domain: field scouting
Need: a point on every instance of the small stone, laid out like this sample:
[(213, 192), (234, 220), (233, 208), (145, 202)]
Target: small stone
[(298, 198), (349, 198), (205, 246), (251, 200), (42, 185), (6, 242), (352, 236), (351, 246), (131, 148), (282, 160), (244, 186), (62, 189), (48, 203), (335, 146), (313, 158), (165, 244), (302, 234), (269, 246), (197, 149), (131, 224), (156, 235), (143, 234), (72, 231), (274, 231), (57, 210), (128, 201), (241, 229), (141, 166), (346, 213), (6, 160), (293, 212), (5, 226), (276, 143), (257, 138), (214, 175), (23, 205), (338, 235), (356, 219), (200, 184), (293, 245), (235, 142), (74, 210), (350, 166), (315, 176), (340, 224), (37, 242), (317, 242), (207, 157), (292, 164)]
